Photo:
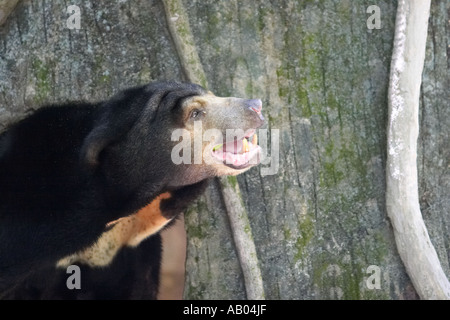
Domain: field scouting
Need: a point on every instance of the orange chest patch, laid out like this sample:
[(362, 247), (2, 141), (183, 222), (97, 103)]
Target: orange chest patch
[(151, 215), (127, 231), (144, 223)]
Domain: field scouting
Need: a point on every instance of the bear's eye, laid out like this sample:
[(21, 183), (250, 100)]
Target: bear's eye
[(196, 114)]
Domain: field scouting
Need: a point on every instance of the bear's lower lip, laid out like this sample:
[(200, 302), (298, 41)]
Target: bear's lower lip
[(243, 166), (239, 161), (238, 154)]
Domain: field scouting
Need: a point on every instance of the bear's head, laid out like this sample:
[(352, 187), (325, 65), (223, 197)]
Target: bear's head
[(170, 134)]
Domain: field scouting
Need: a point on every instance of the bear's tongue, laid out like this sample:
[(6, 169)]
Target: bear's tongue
[(233, 147), (239, 146), (237, 152)]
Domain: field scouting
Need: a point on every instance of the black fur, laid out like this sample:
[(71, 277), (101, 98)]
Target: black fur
[(66, 171), (134, 274)]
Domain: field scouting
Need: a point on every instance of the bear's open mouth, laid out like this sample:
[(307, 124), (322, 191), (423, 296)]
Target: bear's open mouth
[(240, 153)]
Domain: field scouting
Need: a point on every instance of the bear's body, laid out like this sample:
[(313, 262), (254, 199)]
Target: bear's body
[(73, 175), (133, 274)]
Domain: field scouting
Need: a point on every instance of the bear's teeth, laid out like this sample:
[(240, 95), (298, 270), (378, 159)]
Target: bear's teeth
[(245, 146), (255, 140)]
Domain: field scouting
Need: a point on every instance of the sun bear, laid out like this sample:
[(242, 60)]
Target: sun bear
[(92, 184)]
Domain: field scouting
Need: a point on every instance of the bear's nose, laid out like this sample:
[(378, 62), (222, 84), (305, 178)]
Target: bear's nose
[(254, 104)]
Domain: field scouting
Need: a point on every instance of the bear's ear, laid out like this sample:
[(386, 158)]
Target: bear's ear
[(94, 143), (116, 118)]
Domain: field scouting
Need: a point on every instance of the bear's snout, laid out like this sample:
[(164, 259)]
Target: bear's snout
[(255, 105)]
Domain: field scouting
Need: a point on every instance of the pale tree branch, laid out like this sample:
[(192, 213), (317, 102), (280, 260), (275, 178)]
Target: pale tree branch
[(402, 201)]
